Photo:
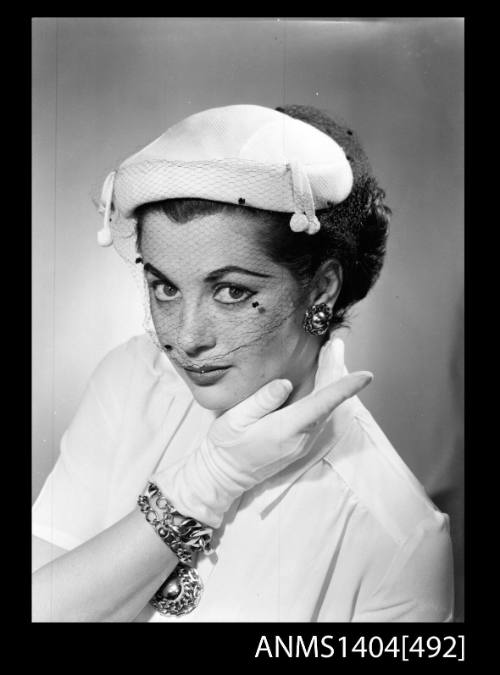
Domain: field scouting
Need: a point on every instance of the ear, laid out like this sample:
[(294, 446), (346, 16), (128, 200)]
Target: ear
[(327, 284)]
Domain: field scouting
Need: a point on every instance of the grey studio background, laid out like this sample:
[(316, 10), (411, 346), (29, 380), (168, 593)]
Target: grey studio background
[(104, 87)]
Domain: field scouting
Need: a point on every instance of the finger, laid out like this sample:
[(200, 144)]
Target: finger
[(330, 363), (318, 405), (262, 402), (338, 365)]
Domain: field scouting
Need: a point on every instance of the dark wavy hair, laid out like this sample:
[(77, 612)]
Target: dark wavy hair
[(353, 233)]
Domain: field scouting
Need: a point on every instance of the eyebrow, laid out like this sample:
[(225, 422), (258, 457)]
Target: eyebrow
[(216, 274), (149, 268)]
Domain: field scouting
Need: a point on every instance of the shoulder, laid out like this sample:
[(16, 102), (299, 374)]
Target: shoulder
[(138, 350), (130, 377), (138, 358), (365, 461)]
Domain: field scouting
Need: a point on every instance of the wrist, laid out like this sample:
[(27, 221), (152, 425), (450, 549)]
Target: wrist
[(196, 488), (184, 535)]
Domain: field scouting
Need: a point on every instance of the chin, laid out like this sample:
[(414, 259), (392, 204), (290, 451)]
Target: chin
[(225, 394), (215, 398)]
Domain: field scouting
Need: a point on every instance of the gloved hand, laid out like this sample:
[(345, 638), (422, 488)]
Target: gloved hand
[(252, 441)]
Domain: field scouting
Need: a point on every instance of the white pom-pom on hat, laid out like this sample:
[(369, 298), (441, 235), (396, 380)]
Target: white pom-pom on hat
[(304, 219), (104, 236), (299, 222)]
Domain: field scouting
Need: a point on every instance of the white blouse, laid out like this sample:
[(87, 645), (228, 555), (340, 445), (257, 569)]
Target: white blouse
[(346, 534)]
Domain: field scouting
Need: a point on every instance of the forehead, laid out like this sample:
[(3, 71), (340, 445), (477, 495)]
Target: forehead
[(205, 243)]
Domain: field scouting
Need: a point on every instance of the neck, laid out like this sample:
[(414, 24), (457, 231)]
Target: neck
[(304, 383)]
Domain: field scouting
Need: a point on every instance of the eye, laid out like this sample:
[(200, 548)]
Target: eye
[(163, 292), (230, 294)]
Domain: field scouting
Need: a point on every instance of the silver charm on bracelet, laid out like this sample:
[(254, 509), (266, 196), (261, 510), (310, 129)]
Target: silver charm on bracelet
[(180, 593)]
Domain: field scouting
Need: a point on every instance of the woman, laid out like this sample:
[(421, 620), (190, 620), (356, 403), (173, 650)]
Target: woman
[(271, 493)]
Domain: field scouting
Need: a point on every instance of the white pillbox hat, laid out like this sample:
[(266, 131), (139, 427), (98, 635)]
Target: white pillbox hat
[(238, 154)]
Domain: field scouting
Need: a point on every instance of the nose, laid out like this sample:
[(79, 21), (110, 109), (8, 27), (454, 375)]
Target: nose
[(195, 334)]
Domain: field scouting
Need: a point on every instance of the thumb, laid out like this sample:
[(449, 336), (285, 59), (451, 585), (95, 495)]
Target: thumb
[(330, 363), (265, 400)]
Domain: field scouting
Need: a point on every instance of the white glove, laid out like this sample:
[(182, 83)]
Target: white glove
[(249, 443)]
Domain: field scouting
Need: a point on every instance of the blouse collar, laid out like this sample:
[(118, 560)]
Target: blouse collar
[(267, 495)]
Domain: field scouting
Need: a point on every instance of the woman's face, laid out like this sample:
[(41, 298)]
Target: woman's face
[(229, 319)]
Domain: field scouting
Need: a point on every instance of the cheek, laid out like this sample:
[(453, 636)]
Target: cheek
[(276, 354), (166, 317), (266, 338)]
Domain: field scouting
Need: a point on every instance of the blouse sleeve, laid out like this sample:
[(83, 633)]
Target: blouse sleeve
[(418, 583), (71, 506)]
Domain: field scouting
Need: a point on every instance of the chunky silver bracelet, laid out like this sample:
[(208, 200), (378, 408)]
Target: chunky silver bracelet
[(182, 534)]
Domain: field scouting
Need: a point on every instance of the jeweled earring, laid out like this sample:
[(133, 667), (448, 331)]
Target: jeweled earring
[(317, 319)]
